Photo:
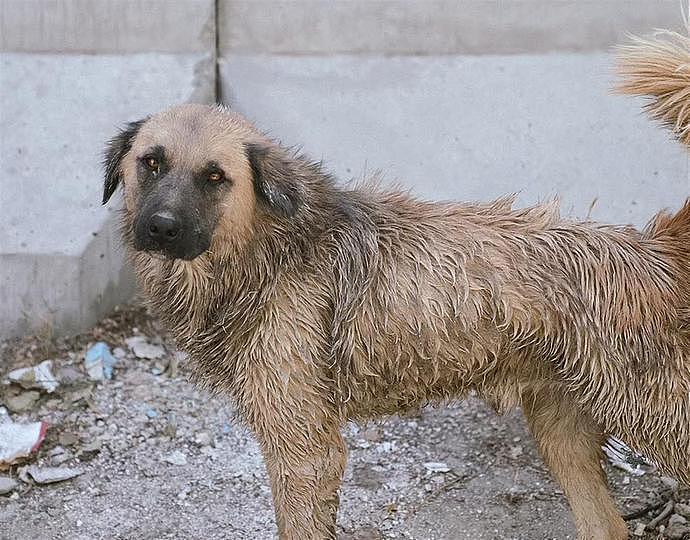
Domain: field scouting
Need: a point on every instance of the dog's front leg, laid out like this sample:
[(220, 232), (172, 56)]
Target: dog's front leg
[(305, 462)]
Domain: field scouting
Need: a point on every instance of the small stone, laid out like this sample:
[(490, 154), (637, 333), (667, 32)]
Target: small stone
[(7, 484), (683, 510), (203, 438), (371, 435), (141, 348), (50, 475), (175, 458), (670, 483), (170, 429), (516, 451), (67, 438), (639, 529), (69, 375), (151, 413), (175, 361), (22, 402), (385, 447), (626, 480), (119, 353), (677, 527), (436, 467)]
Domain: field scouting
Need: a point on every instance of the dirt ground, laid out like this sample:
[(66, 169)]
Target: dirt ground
[(164, 460)]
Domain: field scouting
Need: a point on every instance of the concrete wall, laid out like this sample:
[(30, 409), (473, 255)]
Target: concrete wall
[(72, 72), (453, 99)]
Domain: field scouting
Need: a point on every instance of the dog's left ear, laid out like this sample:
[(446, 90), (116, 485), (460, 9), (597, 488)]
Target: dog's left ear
[(274, 173), (115, 151)]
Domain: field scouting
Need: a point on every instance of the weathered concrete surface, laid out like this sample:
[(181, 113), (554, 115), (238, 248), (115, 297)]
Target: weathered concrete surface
[(435, 26), (107, 26), (60, 261), (471, 128)]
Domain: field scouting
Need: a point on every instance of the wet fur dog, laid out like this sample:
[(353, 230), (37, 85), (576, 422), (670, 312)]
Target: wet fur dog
[(312, 305)]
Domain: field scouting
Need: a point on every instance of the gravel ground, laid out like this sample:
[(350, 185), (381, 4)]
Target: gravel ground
[(161, 459)]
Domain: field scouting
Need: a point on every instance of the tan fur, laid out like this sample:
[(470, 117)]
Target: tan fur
[(370, 302), (659, 67)]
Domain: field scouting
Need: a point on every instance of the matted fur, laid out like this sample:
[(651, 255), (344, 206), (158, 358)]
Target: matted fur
[(659, 67), (352, 304)]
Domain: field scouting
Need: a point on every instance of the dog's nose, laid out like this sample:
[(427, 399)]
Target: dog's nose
[(163, 227)]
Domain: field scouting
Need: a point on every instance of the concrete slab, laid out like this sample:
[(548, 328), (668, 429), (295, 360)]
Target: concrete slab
[(435, 26), (471, 128), (107, 26), (60, 264)]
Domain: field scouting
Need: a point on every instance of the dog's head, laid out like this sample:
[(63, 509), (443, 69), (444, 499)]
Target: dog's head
[(195, 176)]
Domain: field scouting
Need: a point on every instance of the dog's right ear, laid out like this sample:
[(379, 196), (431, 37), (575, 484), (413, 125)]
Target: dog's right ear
[(115, 151), (274, 173)]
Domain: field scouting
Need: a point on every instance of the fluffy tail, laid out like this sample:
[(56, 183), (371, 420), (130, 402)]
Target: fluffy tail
[(659, 68)]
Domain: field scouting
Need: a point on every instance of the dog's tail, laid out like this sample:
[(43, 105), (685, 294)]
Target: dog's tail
[(659, 68)]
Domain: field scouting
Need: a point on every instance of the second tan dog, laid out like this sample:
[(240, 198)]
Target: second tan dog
[(312, 305)]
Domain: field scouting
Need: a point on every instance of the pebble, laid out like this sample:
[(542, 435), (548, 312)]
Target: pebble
[(141, 348), (639, 529), (175, 458), (371, 435), (67, 438), (69, 375), (677, 527), (670, 483), (7, 484), (151, 413), (683, 510), (203, 438), (436, 467), (22, 402)]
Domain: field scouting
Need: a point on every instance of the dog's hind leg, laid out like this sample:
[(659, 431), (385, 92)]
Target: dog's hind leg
[(570, 444)]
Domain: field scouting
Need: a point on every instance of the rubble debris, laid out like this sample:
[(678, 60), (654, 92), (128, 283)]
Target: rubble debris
[(99, 362), (50, 475), (59, 455), (677, 527), (38, 377), (7, 485), (67, 438), (142, 348), (21, 402), (436, 467), (203, 438), (20, 440), (175, 458), (624, 458)]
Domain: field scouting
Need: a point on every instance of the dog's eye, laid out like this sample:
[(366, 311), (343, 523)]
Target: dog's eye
[(151, 163), (215, 176)]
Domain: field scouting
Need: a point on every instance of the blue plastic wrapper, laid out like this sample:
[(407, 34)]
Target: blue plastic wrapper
[(99, 361)]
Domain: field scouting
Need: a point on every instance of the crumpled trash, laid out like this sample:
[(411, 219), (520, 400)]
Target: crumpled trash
[(436, 467), (19, 440), (625, 458), (37, 377), (99, 362)]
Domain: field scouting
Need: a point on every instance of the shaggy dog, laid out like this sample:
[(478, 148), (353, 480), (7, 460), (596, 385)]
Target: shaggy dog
[(312, 305)]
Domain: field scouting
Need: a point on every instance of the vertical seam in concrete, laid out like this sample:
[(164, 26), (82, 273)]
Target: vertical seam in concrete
[(217, 88)]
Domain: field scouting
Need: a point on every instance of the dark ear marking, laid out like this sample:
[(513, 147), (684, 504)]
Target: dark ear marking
[(115, 150), (274, 174)]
